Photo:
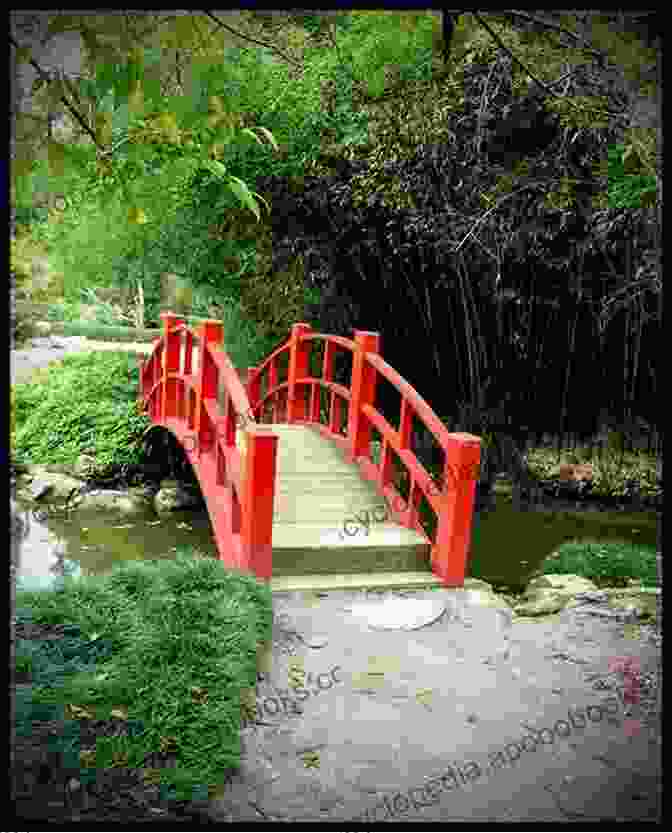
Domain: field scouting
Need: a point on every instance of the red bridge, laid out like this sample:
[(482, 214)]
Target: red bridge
[(293, 481)]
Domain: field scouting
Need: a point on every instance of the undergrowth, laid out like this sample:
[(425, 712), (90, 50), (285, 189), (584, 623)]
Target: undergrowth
[(604, 562), (89, 401), (167, 645)]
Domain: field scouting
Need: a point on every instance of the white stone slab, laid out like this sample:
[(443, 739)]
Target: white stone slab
[(400, 614)]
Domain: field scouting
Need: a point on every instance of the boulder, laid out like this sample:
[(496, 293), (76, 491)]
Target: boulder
[(174, 496), (40, 483), (481, 593), (85, 466), (551, 594), (643, 602), (130, 503)]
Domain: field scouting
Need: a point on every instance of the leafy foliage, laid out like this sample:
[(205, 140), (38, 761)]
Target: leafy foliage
[(89, 401), (628, 188)]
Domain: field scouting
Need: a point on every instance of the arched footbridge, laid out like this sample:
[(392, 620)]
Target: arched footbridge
[(295, 483)]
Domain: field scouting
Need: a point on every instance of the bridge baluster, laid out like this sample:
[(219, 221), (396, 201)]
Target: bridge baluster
[(298, 368), (363, 392), (172, 344)]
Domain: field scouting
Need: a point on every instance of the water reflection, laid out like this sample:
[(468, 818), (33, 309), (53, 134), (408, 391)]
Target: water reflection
[(509, 540), (48, 543)]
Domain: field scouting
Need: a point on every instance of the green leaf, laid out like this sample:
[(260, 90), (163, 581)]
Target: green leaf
[(216, 167), (243, 193), (267, 133)]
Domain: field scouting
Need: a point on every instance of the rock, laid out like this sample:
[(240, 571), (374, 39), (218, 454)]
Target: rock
[(639, 601), (552, 593), (55, 484), (174, 496), (39, 488), (42, 328), (569, 584), (125, 503), (598, 597), (481, 593), (85, 465)]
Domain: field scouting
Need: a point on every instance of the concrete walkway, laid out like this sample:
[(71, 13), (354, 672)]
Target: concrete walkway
[(472, 717)]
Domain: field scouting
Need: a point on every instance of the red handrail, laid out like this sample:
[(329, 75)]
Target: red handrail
[(239, 490), (453, 505)]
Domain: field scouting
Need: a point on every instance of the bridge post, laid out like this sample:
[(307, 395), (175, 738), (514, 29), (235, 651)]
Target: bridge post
[(453, 533), (259, 496), (210, 333), (298, 368), (362, 392), (170, 390)]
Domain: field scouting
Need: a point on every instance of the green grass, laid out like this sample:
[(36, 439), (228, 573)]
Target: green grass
[(604, 562), (174, 643)]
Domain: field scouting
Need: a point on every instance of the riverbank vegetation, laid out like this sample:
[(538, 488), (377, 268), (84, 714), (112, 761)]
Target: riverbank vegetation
[(85, 404), (604, 562), (163, 649)]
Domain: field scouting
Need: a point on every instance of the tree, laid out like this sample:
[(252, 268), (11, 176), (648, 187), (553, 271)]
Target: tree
[(122, 115)]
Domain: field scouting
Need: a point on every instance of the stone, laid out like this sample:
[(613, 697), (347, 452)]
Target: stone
[(85, 465), (638, 601), (39, 489), (42, 328), (400, 614), (174, 496), (569, 584), (551, 594), (117, 501), (56, 485)]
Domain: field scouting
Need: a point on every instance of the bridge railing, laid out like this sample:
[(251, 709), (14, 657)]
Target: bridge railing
[(179, 388), (296, 398)]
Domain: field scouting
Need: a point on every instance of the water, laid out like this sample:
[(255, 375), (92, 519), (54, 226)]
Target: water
[(509, 543), (52, 543)]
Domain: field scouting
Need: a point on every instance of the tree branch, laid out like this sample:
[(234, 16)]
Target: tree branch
[(506, 49), (494, 208), (45, 77), (252, 40), (556, 27)]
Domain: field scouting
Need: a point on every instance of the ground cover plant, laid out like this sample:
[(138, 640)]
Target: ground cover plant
[(88, 401), (604, 562), (164, 646)]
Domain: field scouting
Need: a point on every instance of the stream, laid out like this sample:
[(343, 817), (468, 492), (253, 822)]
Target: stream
[(508, 543)]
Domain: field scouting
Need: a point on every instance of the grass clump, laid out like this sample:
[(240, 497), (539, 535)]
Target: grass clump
[(178, 643), (88, 401), (604, 562)]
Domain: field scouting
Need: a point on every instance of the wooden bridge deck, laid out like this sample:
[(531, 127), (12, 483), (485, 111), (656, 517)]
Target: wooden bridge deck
[(318, 542)]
